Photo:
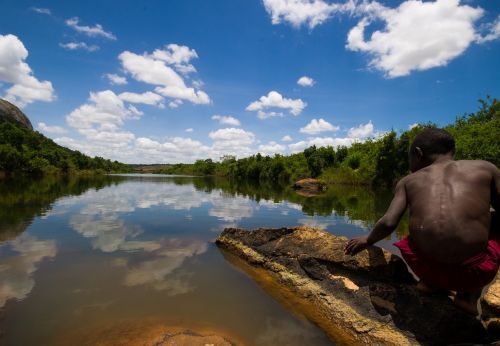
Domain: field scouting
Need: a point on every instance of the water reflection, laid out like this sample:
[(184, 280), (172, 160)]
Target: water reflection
[(23, 256), (141, 246), (159, 271)]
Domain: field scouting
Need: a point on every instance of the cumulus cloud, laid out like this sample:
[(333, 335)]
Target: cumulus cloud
[(227, 120), (51, 129), (307, 12), (25, 87), (92, 31), (271, 148), (231, 141), (286, 138), (148, 98), (354, 134), (158, 69), (321, 142), (79, 45), (190, 129), (417, 35), (317, 126), (178, 56), (306, 81), (275, 100), (362, 131), (176, 149), (99, 121), (115, 79)]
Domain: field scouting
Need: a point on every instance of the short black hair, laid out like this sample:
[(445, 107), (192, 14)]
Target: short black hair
[(434, 141)]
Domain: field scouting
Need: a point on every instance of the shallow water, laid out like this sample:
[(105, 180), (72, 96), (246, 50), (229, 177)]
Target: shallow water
[(77, 254)]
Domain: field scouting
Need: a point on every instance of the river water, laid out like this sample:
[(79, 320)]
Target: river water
[(77, 254)]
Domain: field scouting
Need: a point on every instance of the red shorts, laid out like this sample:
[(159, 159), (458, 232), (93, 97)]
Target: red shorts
[(469, 276)]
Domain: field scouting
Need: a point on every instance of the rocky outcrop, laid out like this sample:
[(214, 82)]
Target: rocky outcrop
[(490, 306), (12, 114), (369, 299), (309, 187)]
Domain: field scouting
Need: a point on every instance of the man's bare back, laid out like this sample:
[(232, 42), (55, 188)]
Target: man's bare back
[(449, 205), (450, 246)]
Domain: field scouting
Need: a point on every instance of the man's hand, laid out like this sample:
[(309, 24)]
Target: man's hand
[(356, 245)]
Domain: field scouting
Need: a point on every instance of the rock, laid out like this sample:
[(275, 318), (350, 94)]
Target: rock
[(12, 114), (490, 306), (309, 187), (146, 332), (368, 299)]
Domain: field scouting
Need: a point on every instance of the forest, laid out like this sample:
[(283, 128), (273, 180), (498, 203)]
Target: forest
[(27, 152), (380, 161), (377, 161)]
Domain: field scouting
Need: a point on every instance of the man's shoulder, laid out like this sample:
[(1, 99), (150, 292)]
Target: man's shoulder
[(478, 164)]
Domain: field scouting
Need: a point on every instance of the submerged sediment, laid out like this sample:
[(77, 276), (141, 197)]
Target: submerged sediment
[(369, 299)]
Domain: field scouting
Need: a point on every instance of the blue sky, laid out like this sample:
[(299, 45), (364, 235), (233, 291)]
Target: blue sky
[(175, 81)]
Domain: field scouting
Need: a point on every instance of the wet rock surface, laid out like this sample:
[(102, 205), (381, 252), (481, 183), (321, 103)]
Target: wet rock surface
[(10, 113), (144, 332), (370, 298)]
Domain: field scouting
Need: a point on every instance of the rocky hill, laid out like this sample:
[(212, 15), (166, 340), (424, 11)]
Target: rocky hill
[(12, 114)]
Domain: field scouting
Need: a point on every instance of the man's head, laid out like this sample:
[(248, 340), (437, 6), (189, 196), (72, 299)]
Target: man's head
[(428, 145)]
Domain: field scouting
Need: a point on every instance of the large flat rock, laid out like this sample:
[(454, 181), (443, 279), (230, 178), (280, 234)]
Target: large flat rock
[(369, 299)]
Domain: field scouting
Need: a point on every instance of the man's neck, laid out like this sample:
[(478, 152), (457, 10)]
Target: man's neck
[(442, 159)]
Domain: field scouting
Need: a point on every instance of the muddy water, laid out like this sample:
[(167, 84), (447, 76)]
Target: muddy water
[(81, 258)]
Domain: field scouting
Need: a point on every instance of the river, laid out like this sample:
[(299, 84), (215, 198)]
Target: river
[(77, 254)]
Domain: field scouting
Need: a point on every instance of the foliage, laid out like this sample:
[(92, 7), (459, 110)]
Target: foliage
[(379, 161), (25, 151)]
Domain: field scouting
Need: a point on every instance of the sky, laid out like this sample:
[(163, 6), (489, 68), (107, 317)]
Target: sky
[(181, 80)]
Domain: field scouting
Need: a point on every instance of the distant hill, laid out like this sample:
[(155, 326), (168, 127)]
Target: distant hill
[(12, 114), (25, 151)]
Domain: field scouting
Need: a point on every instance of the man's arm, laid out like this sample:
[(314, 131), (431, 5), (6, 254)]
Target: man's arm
[(385, 226)]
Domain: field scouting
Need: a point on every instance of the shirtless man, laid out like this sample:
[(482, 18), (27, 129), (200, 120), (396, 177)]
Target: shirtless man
[(450, 245)]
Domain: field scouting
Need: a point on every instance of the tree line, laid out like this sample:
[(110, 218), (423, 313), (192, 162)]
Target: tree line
[(24, 151), (380, 161)]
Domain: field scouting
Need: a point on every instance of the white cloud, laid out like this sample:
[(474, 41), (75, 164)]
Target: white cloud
[(309, 12), (42, 10), (411, 126), (148, 98), (100, 121), (271, 148), (306, 81), (51, 129), (13, 69), (417, 35), (362, 131), (231, 141), (228, 120), (317, 126), (24, 255), (493, 33), (153, 69), (175, 103), (178, 56), (91, 31), (286, 138), (116, 79), (275, 100), (320, 142), (79, 45), (190, 129), (355, 134)]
